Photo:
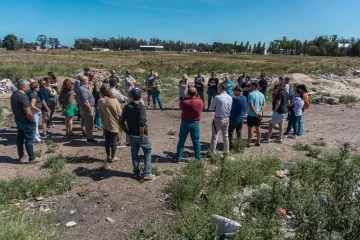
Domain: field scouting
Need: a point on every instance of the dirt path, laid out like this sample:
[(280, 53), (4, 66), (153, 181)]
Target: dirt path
[(114, 193)]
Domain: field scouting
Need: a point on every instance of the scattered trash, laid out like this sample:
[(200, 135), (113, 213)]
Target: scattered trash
[(290, 215), (72, 212), (57, 224), (2, 212), (283, 173), (225, 226), (39, 199), (236, 211), (70, 224), (110, 220), (170, 214), (172, 137)]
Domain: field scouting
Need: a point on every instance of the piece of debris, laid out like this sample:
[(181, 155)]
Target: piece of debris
[(236, 211), (283, 173), (110, 220), (39, 199), (72, 212), (225, 226), (70, 224), (282, 211)]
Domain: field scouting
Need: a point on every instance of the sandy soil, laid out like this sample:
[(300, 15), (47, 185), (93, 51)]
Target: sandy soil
[(114, 193)]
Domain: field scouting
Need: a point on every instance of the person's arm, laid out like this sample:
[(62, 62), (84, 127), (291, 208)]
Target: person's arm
[(262, 107), (29, 114), (142, 120), (122, 121), (43, 102), (202, 82), (33, 105), (87, 106), (61, 95), (213, 104), (52, 92), (277, 105)]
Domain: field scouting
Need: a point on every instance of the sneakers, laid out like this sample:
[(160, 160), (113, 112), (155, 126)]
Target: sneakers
[(46, 136), (121, 146), (292, 136), (285, 136), (149, 176), (91, 141)]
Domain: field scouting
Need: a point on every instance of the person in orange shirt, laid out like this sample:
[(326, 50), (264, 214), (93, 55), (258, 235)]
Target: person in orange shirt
[(305, 98)]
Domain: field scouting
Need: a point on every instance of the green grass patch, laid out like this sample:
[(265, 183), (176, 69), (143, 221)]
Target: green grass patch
[(320, 142), (299, 146), (239, 146), (346, 99)]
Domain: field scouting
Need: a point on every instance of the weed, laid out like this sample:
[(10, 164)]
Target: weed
[(56, 163), (38, 153), (51, 146), (1, 114), (320, 143), (103, 164), (299, 146), (171, 132), (16, 223), (156, 170), (346, 99), (313, 89), (314, 152), (168, 172), (239, 146)]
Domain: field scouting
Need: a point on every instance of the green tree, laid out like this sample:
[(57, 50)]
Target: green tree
[(21, 43), (42, 40), (313, 50), (10, 42), (50, 41), (56, 42)]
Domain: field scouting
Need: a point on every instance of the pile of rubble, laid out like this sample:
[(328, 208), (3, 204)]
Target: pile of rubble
[(5, 85)]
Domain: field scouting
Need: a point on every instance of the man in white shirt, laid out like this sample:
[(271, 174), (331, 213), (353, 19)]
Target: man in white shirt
[(222, 104)]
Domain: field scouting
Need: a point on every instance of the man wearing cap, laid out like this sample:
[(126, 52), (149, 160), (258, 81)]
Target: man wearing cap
[(86, 102), (133, 122), (199, 85), (149, 79), (238, 110), (280, 109), (191, 110), (129, 83), (256, 103), (24, 119), (222, 105)]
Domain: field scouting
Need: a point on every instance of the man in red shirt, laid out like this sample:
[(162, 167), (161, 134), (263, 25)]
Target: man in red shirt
[(191, 110)]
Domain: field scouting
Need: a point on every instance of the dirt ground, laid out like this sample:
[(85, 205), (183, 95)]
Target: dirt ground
[(112, 192)]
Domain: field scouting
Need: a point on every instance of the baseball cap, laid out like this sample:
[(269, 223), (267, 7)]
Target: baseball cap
[(128, 72), (255, 84), (135, 93), (237, 88)]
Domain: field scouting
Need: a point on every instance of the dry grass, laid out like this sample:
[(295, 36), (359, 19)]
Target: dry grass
[(31, 64)]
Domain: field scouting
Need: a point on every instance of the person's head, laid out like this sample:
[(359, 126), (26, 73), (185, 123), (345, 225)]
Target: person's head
[(262, 76), (247, 79), (254, 86), (299, 93), (281, 80), (295, 86), (237, 91), (84, 80), (136, 94), (87, 71), (244, 74), (106, 80), (302, 87), (91, 86), (227, 77), (156, 75), (34, 87), (127, 73), (67, 85), (31, 80), (184, 77), (213, 75), (192, 92), (287, 80), (113, 82), (113, 72), (47, 80), (151, 71), (199, 74), (42, 83), (105, 91), (222, 87), (22, 85), (51, 75)]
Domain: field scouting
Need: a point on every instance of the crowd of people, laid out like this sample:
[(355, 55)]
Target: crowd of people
[(100, 104)]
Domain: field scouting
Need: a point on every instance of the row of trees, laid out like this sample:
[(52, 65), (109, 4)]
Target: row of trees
[(326, 45), (11, 42)]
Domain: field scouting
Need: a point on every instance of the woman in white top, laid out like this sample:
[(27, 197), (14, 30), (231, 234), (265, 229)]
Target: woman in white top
[(183, 87)]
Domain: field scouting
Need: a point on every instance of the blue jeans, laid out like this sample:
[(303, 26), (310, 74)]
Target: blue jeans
[(211, 95), (25, 132), (145, 145), (156, 97), (97, 119), (299, 126), (194, 128), (291, 124)]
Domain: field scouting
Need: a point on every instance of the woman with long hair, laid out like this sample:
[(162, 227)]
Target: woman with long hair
[(183, 87), (68, 102), (36, 106), (54, 85), (53, 100), (110, 112)]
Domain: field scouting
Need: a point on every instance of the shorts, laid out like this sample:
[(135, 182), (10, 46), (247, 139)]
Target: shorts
[(45, 115), (277, 118), (253, 121)]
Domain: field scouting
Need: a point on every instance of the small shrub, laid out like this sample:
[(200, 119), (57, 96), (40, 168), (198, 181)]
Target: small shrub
[(171, 132), (320, 143), (239, 146), (156, 170), (346, 99), (56, 163), (314, 152), (299, 146), (51, 146)]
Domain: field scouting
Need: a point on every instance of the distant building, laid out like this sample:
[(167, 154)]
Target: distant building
[(190, 50), (152, 48), (344, 45), (101, 49)]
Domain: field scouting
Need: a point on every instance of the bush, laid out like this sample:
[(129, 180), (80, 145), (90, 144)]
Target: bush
[(299, 146), (346, 99)]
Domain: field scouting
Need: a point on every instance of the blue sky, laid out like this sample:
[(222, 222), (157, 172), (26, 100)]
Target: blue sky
[(187, 20)]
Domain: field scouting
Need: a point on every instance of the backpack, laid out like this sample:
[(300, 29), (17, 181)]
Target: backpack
[(306, 101)]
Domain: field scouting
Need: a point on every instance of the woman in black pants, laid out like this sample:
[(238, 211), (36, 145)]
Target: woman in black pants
[(110, 112)]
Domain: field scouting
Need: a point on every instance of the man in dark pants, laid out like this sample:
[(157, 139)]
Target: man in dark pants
[(133, 122), (191, 110), (263, 84), (199, 85), (238, 110), (24, 119)]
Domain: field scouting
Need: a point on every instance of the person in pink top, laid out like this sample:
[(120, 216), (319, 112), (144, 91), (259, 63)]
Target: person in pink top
[(191, 110)]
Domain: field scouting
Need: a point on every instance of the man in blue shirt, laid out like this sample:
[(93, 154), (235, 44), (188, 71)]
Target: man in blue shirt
[(230, 85), (256, 106), (199, 85), (238, 110)]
